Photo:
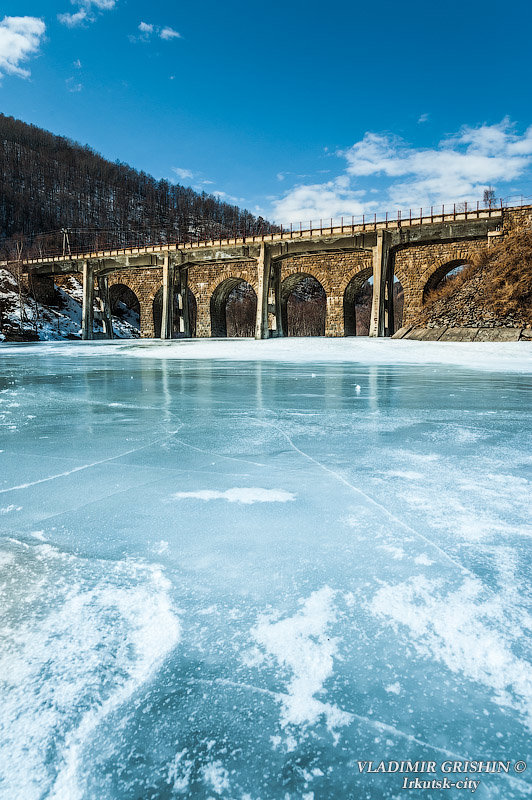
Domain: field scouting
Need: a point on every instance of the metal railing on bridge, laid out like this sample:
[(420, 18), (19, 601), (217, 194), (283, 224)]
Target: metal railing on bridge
[(66, 246)]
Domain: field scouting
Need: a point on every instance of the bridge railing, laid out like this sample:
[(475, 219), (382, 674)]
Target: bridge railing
[(367, 222), (331, 225)]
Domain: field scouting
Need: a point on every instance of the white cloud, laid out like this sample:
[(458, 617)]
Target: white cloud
[(459, 168), (183, 174), (147, 29), (20, 38), (85, 12), (169, 33), (227, 198), (423, 118), (72, 86), (72, 20), (523, 146), (318, 201), (77, 63)]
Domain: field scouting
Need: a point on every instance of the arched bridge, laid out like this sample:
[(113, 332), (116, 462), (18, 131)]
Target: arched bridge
[(182, 289)]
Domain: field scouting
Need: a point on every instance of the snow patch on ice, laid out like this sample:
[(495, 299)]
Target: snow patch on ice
[(9, 509), (396, 552), (179, 772), (407, 475), (244, 495), (6, 559), (97, 632), (393, 688), (423, 560), (301, 644), (216, 776), (484, 356), (467, 629)]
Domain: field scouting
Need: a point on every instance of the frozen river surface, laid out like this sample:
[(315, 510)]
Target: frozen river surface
[(234, 570)]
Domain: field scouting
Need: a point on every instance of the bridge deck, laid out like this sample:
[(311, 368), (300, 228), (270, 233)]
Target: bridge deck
[(285, 235)]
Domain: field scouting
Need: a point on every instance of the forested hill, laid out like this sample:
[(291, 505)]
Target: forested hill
[(48, 182)]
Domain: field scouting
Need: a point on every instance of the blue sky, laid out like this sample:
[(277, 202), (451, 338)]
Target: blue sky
[(294, 110)]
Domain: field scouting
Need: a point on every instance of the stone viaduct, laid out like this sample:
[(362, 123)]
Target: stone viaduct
[(170, 280)]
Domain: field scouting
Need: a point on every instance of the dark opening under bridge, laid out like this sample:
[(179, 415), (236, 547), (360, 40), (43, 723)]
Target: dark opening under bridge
[(417, 251)]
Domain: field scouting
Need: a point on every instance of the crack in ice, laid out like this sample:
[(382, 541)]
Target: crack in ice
[(368, 497), (88, 466)]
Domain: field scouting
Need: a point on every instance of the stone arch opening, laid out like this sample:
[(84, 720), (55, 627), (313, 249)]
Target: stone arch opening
[(358, 299), (178, 330), (358, 296), (303, 305), (233, 308), (125, 307), (444, 274)]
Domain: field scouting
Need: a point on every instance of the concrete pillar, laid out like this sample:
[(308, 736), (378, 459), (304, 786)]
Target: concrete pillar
[(263, 269), (389, 315), (167, 320), (87, 310), (184, 322), (381, 265), (276, 289), (105, 305)]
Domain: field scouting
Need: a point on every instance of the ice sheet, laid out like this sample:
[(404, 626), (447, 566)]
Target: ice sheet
[(237, 578)]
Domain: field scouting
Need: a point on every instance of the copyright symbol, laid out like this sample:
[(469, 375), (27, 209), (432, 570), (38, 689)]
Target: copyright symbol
[(519, 766)]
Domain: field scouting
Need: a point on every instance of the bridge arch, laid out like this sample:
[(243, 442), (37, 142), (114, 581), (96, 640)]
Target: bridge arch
[(303, 305), (157, 309), (125, 305), (233, 308), (358, 289), (442, 272)]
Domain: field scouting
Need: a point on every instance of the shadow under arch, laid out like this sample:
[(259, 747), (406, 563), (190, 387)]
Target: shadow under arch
[(178, 326), (443, 273), (125, 304), (233, 308), (357, 303), (303, 305)]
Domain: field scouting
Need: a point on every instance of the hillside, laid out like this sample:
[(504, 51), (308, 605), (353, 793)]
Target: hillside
[(48, 183)]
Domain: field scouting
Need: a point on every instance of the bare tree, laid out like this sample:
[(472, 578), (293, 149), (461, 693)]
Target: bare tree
[(489, 197)]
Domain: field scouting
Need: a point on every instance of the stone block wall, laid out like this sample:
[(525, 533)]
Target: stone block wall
[(334, 270), (517, 219)]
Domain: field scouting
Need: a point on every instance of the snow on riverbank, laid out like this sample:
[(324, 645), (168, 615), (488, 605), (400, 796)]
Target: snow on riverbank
[(20, 312), (491, 356)]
